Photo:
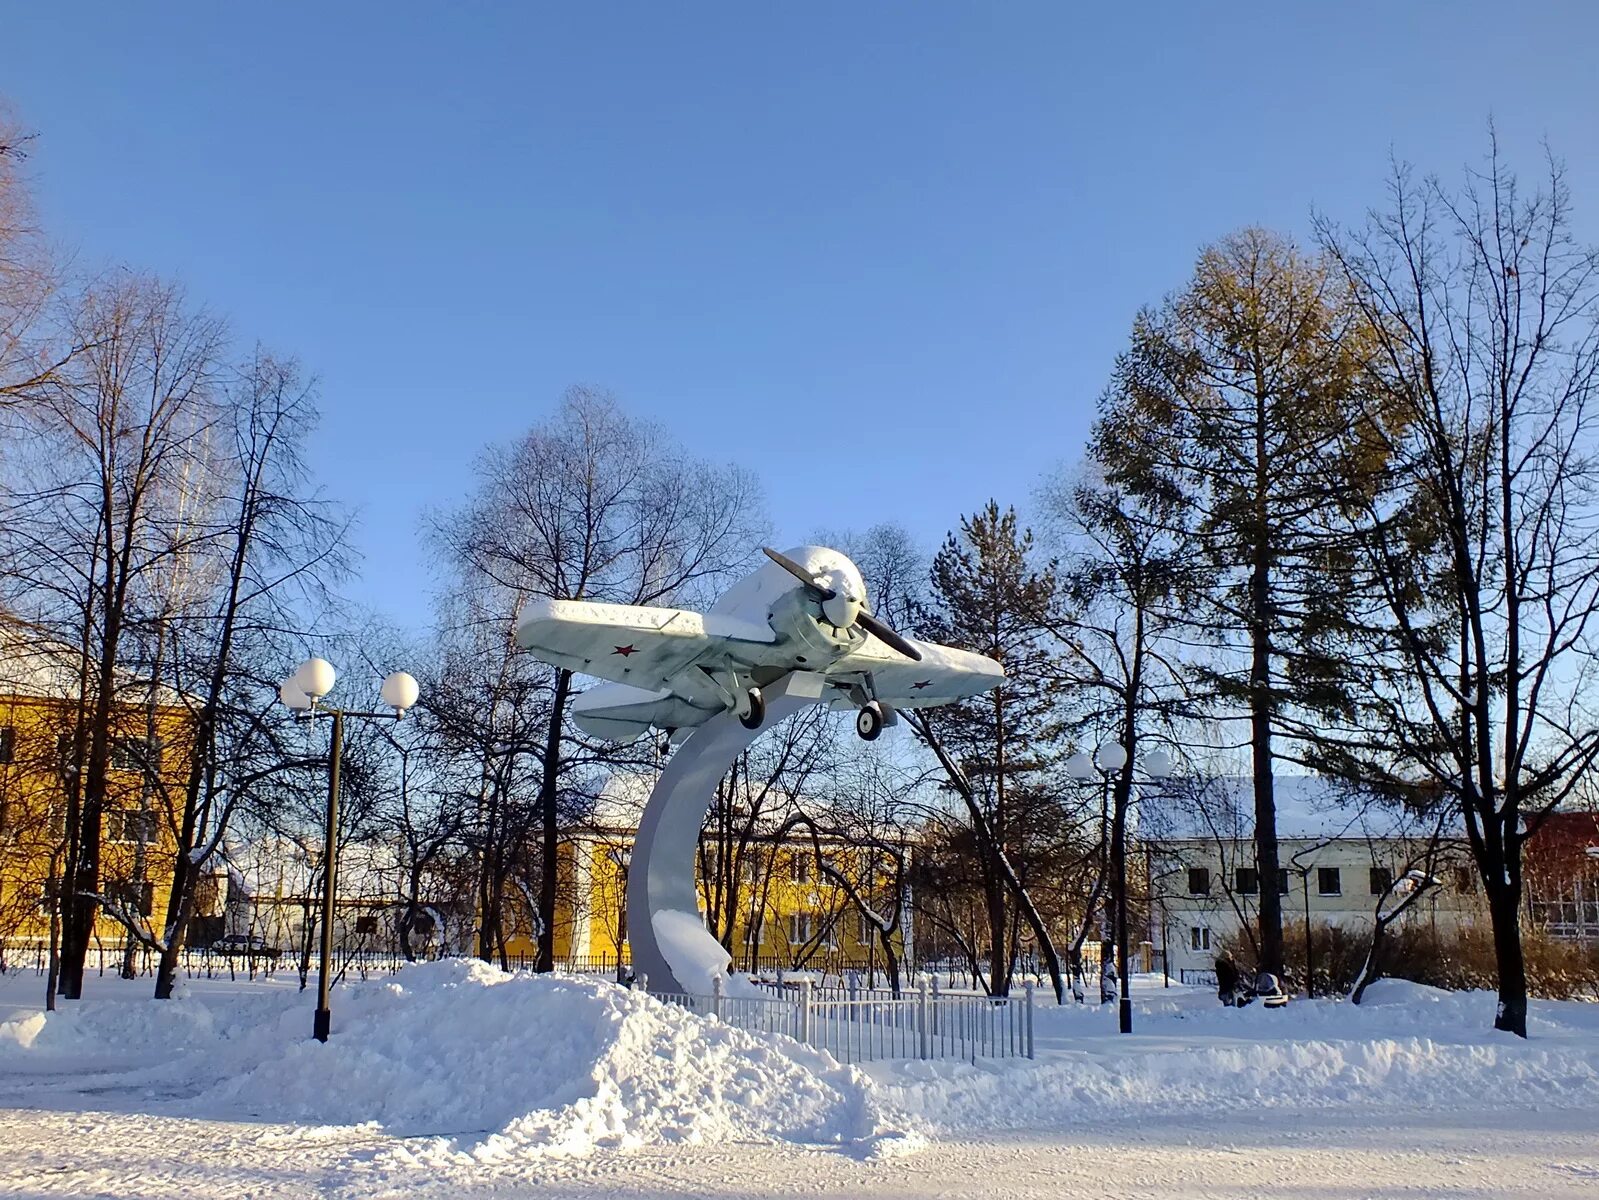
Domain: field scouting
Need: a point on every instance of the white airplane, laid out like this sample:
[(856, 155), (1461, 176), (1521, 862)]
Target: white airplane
[(805, 611)]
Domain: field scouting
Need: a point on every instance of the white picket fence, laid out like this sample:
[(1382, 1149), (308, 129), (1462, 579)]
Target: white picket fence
[(923, 1024)]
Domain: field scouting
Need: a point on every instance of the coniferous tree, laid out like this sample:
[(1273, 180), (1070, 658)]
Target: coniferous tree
[(991, 598), (1220, 421)]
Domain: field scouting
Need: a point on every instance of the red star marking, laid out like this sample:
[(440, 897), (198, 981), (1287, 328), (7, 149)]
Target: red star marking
[(624, 651), (916, 687)]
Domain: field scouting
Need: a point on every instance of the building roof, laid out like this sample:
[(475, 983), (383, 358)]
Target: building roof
[(1309, 808), (40, 667)]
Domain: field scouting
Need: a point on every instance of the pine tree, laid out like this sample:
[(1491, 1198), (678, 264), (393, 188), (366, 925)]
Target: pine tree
[(992, 599)]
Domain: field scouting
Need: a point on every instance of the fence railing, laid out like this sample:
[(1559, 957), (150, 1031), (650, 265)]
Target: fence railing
[(204, 963), (922, 1024)]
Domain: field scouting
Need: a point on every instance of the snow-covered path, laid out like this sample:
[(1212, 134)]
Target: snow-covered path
[(458, 1081), (1551, 1153)]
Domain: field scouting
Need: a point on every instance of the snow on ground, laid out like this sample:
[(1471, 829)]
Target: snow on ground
[(1406, 1046), (453, 1078)]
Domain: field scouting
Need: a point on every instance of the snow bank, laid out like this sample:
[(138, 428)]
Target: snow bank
[(467, 1067), (1406, 1047), (486, 1066)]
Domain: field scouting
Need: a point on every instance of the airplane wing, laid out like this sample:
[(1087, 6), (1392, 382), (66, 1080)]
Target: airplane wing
[(620, 712), (644, 647), (945, 674)]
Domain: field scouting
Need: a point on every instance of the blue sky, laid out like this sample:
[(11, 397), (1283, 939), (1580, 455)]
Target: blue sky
[(884, 254)]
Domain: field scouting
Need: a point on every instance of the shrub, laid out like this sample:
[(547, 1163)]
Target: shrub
[(1455, 959)]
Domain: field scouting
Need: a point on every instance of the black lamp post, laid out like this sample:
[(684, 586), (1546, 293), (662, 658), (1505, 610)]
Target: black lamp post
[(302, 693), (1108, 761)]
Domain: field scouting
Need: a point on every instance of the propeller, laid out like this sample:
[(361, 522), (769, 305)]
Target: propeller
[(862, 618)]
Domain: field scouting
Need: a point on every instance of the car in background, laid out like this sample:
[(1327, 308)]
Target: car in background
[(241, 945)]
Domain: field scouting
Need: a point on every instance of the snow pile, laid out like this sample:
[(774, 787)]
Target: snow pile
[(696, 958), (489, 1067), (106, 1035), (458, 1067), (1407, 1046)]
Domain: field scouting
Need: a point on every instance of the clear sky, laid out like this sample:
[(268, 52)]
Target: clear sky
[(884, 254)]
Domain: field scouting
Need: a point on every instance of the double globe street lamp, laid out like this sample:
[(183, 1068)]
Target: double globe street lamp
[(1110, 763), (303, 693)]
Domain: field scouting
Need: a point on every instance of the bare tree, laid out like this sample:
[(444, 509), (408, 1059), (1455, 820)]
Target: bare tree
[(263, 543), (1484, 385), (112, 449), (34, 351), (592, 505)]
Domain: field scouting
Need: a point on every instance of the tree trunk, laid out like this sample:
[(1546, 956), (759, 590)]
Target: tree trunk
[(1266, 853), (1504, 907), (549, 816), (177, 924), (1368, 970), (998, 979)]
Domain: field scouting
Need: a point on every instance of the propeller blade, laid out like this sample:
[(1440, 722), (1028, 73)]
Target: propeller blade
[(798, 572), (886, 635)]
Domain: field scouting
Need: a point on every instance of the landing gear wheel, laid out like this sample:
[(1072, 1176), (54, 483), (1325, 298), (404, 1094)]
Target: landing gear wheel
[(869, 721), (755, 715)]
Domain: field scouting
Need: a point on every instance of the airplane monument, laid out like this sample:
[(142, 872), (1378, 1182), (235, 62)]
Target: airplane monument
[(796, 631)]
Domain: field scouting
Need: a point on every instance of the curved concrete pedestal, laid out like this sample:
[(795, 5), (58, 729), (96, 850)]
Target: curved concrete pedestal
[(666, 935)]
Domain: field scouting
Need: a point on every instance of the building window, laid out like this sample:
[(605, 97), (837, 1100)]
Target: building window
[(136, 754), (1282, 881), (866, 929), (799, 928), (1382, 878), (66, 750), (122, 825), (1246, 881), (1199, 881), (1328, 882), (1198, 937), (8, 744), (1465, 879), (133, 895), (366, 925)]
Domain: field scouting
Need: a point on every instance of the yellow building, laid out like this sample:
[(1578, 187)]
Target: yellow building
[(39, 752), (774, 908)]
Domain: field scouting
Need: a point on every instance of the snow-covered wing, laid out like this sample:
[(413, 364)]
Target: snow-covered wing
[(944, 675), (634, 644), (620, 712)]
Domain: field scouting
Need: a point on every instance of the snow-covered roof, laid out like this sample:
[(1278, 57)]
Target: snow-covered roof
[(280, 866), (40, 667), (1309, 808)]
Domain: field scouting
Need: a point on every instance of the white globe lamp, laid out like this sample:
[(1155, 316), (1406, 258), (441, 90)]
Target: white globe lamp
[(1157, 764), (1112, 756), (400, 692), (316, 677), (293, 698), (1079, 766)]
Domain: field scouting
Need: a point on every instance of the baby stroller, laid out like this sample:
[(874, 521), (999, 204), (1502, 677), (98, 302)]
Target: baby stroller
[(1235, 992)]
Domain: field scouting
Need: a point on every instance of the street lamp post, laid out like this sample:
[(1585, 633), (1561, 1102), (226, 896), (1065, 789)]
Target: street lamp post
[(302, 693), (1108, 761)]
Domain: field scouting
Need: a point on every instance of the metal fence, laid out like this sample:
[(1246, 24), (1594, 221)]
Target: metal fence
[(204, 963), (923, 1024)]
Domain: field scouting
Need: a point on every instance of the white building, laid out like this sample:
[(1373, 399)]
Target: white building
[(1339, 851)]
